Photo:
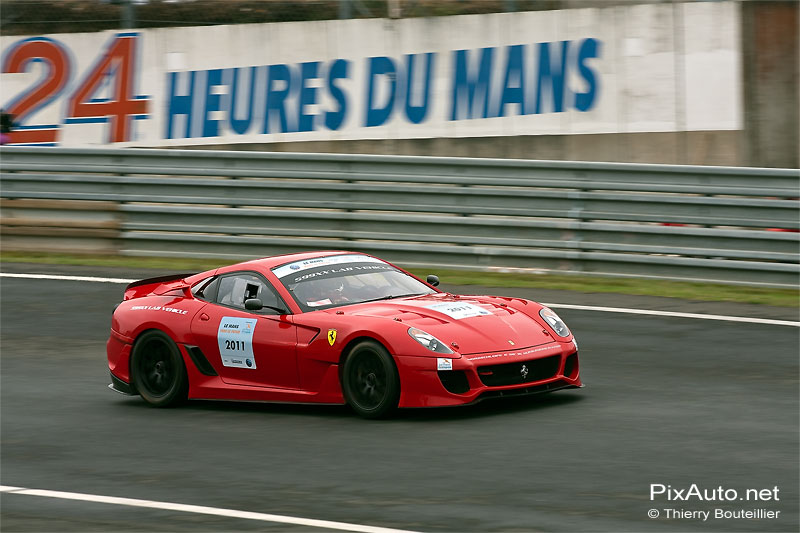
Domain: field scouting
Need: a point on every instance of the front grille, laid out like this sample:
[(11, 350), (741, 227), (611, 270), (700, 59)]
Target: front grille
[(571, 366), (454, 381), (519, 372)]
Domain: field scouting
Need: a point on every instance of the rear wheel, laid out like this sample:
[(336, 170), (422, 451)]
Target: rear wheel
[(157, 369), (370, 382)]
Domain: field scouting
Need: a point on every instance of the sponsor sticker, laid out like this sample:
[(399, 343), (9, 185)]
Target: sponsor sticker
[(551, 346), (444, 363), (459, 310), (235, 341)]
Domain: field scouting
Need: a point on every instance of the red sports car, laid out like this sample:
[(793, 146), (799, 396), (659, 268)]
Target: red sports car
[(331, 327)]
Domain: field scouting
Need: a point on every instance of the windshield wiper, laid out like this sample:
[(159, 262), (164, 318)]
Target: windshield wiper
[(393, 296)]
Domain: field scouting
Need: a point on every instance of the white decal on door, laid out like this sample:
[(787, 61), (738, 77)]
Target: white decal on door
[(235, 340)]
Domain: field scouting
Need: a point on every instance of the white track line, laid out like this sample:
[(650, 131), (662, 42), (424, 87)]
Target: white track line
[(677, 314), (749, 320), (199, 509), (66, 278)]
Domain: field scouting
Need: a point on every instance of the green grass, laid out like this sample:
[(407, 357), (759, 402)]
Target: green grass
[(713, 292), (673, 289)]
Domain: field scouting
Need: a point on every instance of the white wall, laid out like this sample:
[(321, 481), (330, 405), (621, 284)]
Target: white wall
[(643, 68)]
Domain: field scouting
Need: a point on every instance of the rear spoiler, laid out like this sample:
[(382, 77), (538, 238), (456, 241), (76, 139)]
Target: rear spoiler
[(159, 279), (143, 287)]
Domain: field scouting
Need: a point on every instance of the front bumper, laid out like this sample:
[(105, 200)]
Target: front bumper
[(475, 378)]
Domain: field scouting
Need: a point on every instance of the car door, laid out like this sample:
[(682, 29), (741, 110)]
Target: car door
[(253, 348)]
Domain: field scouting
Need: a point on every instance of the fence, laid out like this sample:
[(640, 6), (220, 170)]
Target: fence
[(735, 225)]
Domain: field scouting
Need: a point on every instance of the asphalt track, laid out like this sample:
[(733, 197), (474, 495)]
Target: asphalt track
[(670, 401)]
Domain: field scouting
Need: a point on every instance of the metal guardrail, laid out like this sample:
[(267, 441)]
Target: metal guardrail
[(659, 221)]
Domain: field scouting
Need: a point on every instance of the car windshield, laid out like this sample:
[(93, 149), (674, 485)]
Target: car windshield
[(332, 281)]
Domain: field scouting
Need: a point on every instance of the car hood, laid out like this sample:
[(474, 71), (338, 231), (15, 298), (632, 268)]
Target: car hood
[(477, 324)]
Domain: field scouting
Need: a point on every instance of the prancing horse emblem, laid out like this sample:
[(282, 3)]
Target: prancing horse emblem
[(331, 336), (524, 371)]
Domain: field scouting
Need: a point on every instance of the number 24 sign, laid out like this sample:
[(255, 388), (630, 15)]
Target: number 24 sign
[(105, 94)]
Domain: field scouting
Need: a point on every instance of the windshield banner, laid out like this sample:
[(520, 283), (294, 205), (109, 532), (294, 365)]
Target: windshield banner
[(298, 268)]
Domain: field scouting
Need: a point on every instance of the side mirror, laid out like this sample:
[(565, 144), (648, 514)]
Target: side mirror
[(432, 280), (253, 304)]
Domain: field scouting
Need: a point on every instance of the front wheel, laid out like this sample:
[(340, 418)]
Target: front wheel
[(157, 369), (370, 382)]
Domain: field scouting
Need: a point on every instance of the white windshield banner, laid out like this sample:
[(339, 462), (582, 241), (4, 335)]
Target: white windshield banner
[(299, 266)]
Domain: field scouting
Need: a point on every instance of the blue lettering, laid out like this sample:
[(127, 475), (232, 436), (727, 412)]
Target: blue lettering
[(417, 113), (380, 66), (514, 81), (308, 95), (338, 70), (179, 104), (211, 127), (551, 79), (240, 121), (466, 87), (590, 48), (276, 98)]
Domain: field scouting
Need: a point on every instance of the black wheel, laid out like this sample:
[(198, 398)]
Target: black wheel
[(157, 369), (370, 382)]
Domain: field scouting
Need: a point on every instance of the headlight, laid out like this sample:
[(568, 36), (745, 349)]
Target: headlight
[(554, 321), (428, 341)]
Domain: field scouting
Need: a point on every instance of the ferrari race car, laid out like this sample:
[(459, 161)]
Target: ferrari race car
[(334, 328)]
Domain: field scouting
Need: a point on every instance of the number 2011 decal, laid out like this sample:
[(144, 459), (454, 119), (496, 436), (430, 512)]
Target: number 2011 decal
[(235, 341), (235, 345), (105, 94)]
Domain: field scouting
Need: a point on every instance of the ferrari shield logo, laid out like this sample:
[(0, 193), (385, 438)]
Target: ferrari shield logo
[(331, 336)]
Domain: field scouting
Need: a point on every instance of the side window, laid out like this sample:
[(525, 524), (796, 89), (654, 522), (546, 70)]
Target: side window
[(206, 289), (235, 289)]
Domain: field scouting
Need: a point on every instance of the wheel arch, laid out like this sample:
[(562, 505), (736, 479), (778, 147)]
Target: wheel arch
[(352, 343), (142, 332), (355, 341)]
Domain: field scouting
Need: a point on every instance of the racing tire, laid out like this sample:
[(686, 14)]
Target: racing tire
[(370, 382), (157, 370)]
